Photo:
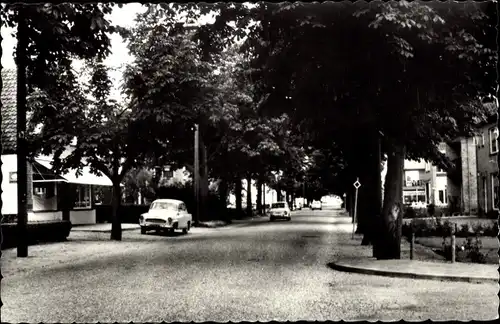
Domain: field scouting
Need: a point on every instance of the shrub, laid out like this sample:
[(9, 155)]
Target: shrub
[(10, 218), (472, 250), (50, 231), (444, 229), (422, 227), (478, 228), (409, 212), (440, 211), (464, 230), (431, 209), (491, 230)]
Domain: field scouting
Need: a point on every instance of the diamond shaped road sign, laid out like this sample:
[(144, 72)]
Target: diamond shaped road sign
[(357, 184)]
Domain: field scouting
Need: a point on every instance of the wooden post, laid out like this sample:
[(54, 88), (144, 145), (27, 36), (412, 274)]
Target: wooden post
[(263, 199), (355, 208), (21, 147)]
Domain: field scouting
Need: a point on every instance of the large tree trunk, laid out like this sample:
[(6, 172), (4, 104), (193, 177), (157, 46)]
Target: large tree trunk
[(116, 227), (259, 196), (372, 200), (223, 191), (249, 195), (388, 240), (365, 165), (22, 150), (237, 193)]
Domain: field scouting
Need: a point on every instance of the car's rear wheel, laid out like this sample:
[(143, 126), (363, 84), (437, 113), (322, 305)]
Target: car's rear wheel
[(289, 219), (272, 219), (143, 230)]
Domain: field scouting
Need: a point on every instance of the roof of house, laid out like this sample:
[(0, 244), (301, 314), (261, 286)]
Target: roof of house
[(9, 93)]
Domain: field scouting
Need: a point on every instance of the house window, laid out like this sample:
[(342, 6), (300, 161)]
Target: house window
[(12, 177), (493, 133), (83, 196), (494, 191), (481, 137), (442, 197)]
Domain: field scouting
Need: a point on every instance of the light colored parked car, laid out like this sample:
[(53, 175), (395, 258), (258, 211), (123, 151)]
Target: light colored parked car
[(279, 210), (166, 215), (316, 205)]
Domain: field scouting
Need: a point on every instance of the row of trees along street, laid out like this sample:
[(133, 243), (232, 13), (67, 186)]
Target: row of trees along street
[(347, 85)]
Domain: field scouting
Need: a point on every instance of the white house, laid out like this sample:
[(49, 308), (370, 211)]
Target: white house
[(50, 196)]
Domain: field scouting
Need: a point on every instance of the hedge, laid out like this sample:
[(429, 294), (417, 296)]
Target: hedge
[(129, 214), (48, 231)]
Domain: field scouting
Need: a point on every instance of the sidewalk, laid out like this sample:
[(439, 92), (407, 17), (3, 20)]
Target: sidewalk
[(426, 264)]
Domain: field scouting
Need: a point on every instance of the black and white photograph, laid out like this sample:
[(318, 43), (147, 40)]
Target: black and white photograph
[(249, 161)]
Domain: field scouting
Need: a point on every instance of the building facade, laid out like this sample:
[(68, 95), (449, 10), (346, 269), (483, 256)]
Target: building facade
[(50, 196), (486, 143), (471, 187)]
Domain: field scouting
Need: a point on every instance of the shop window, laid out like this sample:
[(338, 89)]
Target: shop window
[(82, 199)]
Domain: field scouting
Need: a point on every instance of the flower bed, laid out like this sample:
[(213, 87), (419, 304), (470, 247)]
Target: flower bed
[(475, 242)]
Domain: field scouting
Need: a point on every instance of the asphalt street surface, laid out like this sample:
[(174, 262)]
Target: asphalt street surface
[(259, 270)]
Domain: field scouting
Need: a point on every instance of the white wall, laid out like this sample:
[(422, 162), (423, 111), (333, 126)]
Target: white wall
[(44, 216), (79, 217), (41, 203), (410, 164), (9, 190)]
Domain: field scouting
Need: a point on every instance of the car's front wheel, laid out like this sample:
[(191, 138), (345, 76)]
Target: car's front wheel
[(186, 230), (143, 230), (272, 219)]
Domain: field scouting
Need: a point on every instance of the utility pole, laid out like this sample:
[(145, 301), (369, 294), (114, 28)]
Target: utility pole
[(22, 169), (196, 174), (203, 183), (263, 199)]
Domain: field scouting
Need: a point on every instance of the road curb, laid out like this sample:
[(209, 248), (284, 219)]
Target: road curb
[(411, 275)]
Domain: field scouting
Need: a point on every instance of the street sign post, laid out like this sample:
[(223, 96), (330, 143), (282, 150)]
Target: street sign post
[(356, 185)]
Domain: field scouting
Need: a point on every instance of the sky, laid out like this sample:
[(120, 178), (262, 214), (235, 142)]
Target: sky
[(119, 53)]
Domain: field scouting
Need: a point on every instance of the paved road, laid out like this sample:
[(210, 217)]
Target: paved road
[(252, 271)]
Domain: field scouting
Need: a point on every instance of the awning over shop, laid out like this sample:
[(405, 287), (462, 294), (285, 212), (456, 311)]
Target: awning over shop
[(42, 173)]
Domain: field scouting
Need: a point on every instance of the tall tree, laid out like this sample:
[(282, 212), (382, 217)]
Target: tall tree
[(108, 138), (433, 61)]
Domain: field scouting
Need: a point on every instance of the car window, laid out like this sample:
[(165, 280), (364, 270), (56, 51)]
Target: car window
[(182, 207), (278, 205), (164, 205)]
